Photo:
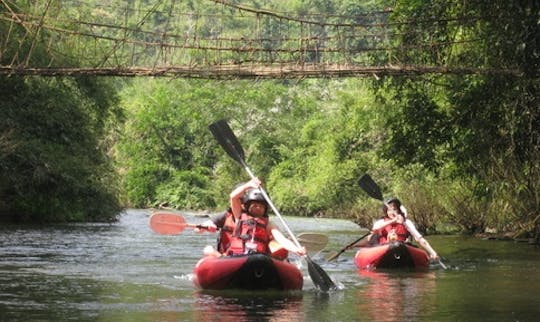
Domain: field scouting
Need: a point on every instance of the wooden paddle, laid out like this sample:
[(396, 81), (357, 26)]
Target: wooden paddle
[(228, 141), (373, 190), (313, 242), (167, 223)]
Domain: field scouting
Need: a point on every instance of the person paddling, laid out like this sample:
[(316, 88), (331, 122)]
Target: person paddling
[(245, 228), (225, 223), (395, 226)]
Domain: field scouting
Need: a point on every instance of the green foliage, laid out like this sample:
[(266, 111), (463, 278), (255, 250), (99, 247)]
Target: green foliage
[(166, 133), (416, 128), (478, 134), (425, 196), (320, 171), (460, 151), (55, 135), (52, 166), (187, 190)]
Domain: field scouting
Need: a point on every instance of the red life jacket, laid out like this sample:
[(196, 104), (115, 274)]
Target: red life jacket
[(226, 233), (399, 229), (251, 231)]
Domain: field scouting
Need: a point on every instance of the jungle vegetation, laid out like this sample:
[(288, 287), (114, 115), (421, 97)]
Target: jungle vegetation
[(461, 151)]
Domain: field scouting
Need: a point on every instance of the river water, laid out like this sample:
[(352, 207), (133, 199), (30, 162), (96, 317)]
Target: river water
[(125, 272)]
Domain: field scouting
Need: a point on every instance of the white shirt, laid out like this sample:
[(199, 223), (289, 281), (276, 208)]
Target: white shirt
[(408, 224), (412, 229)]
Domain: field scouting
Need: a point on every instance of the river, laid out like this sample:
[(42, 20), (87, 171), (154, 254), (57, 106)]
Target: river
[(125, 272)]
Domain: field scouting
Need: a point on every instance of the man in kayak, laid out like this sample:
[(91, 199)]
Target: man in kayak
[(246, 228), (395, 226)]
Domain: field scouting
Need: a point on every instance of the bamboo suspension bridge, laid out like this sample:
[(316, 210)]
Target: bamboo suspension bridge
[(224, 40)]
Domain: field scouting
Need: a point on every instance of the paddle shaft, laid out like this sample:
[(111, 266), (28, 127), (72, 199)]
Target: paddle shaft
[(274, 209), (347, 247), (228, 141), (188, 225), (171, 224), (165, 223), (442, 264), (318, 275)]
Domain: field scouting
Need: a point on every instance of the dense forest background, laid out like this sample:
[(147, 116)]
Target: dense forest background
[(461, 151)]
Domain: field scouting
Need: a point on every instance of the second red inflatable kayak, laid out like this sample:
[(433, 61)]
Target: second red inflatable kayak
[(391, 255)]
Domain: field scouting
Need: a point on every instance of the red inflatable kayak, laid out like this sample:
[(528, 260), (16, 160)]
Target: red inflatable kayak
[(391, 255), (248, 272)]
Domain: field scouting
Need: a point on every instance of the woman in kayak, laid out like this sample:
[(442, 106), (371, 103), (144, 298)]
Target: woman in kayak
[(395, 226), (245, 227)]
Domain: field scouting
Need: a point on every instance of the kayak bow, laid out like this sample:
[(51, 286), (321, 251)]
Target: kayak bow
[(391, 255), (248, 272)]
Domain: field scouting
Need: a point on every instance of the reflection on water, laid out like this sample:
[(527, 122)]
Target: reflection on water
[(249, 306), (125, 272), (396, 296)]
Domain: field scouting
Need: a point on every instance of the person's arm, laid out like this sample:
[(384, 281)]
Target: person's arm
[(381, 223), (236, 195), (208, 225), (213, 224), (284, 241), (420, 239)]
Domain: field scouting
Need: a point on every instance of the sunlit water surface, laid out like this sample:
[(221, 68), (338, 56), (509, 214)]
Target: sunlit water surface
[(125, 272)]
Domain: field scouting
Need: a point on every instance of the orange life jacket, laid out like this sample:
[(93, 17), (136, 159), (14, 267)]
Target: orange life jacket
[(226, 232), (250, 236), (399, 229)]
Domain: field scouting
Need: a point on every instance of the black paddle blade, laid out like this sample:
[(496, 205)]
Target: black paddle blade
[(370, 187), (226, 138), (319, 276)]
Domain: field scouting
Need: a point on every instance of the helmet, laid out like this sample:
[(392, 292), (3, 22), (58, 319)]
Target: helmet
[(253, 195)]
